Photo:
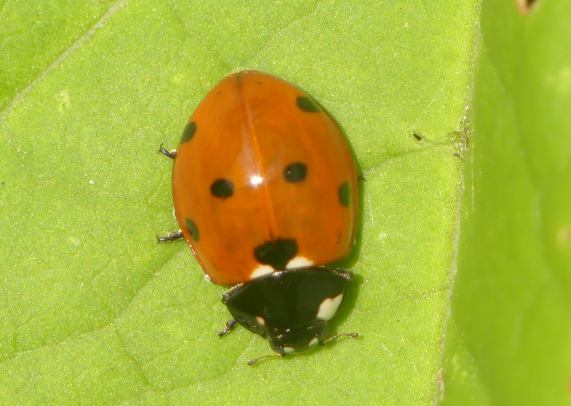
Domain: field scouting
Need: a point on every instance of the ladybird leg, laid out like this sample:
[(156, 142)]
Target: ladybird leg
[(172, 236), (169, 154), (263, 357), (230, 325), (337, 336)]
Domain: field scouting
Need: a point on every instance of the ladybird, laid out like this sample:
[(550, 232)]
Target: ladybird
[(265, 193)]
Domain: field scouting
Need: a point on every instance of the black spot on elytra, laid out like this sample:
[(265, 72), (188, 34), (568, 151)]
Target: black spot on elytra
[(305, 103), (222, 188), (344, 194), (276, 253), (295, 172), (188, 132), (192, 229)]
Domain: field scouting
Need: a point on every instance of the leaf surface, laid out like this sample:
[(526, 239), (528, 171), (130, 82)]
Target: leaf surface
[(92, 310), (509, 340)]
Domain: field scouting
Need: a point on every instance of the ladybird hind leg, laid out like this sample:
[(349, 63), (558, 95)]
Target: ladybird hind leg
[(172, 236), (169, 154)]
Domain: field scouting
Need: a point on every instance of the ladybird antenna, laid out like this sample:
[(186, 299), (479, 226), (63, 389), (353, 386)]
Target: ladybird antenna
[(338, 336), (263, 357)]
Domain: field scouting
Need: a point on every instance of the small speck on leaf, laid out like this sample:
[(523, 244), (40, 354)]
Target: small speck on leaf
[(526, 6)]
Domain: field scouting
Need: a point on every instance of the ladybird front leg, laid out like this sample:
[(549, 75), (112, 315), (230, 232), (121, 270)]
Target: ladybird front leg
[(264, 357), (338, 336), (230, 325), (169, 154), (172, 236)]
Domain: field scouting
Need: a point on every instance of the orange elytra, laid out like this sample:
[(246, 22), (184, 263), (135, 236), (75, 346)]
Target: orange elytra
[(260, 162)]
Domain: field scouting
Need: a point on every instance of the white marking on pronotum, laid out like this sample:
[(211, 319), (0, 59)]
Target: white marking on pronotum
[(313, 341), (260, 320), (261, 271), (328, 307), (288, 350), (299, 262)]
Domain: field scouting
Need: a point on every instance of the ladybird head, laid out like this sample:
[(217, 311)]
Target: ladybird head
[(290, 308), (297, 340)]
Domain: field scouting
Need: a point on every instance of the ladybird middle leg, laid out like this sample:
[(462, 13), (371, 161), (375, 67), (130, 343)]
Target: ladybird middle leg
[(172, 236), (169, 154)]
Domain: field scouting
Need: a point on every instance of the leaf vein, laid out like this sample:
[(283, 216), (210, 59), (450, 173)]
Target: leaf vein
[(118, 5)]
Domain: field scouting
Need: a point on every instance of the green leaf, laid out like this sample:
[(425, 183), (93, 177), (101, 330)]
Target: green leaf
[(38, 36), (92, 310), (509, 341)]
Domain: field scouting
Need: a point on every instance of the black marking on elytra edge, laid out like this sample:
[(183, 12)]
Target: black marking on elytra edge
[(295, 172), (305, 103), (344, 193), (276, 253), (222, 188), (188, 132), (192, 229)]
